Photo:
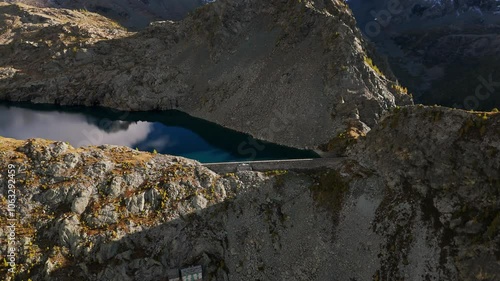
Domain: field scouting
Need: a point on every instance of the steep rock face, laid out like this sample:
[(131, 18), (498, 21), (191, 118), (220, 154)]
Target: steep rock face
[(410, 200), (445, 52), (294, 73), (131, 14), (444, 166)]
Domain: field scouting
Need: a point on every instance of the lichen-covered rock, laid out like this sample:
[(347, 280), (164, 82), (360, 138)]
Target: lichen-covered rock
[(114, 193)]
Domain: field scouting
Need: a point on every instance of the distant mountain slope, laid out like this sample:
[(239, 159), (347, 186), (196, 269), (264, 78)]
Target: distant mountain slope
[(130, 13), (444, 51), (290, 72)]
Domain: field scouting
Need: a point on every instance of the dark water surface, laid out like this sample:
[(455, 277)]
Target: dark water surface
[(168, 132)]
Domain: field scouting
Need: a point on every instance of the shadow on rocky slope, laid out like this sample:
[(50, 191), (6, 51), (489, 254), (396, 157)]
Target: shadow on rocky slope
[(445, 52), (410, 200)]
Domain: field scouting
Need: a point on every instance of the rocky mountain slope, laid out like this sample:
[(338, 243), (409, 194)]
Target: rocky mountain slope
[(410, 202), (417, 198), (129, 13), (443, 166), (445, 52), (296, 73)]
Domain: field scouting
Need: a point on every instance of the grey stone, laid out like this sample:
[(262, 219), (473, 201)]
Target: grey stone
[(80, 203), (99, 169), (105, 216), (114, 188), (153, 198), (199, 202), (69, 233), (71, 160), (135, 204), (59, 148), (133, 180)]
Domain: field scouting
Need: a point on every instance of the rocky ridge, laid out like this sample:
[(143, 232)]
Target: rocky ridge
[(410, 201), (443, 166), (131, 14), (301, 69)]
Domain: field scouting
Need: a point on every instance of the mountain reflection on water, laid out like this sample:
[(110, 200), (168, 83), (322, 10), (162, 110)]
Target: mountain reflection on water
[(168, 132)]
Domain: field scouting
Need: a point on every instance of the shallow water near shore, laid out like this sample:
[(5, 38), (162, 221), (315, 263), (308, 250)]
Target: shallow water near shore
[(167, 132)]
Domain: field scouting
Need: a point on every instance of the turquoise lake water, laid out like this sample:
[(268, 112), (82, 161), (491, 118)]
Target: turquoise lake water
[(167, 132)]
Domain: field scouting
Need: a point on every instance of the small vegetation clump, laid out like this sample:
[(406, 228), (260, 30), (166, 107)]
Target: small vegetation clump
[(400, 89), (476, 123), (276, 173), (369, 62), (342, 141)]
